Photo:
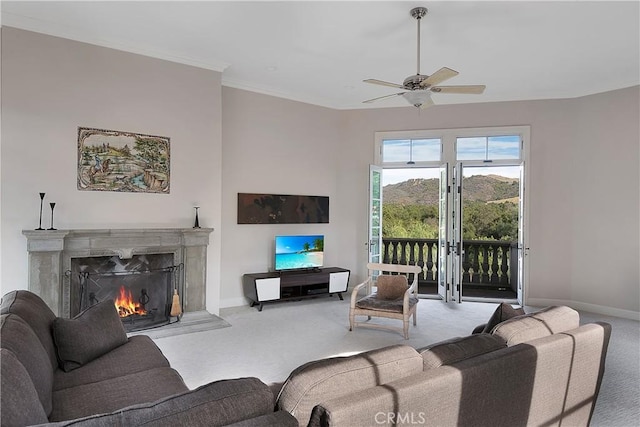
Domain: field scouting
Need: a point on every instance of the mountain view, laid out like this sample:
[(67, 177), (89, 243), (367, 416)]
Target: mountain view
[(482, 188), (490, 208)]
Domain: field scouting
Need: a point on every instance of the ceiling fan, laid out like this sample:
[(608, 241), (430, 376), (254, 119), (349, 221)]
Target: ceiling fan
[(418, 88)]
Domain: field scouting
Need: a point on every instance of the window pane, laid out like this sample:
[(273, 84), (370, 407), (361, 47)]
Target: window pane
[(503, 147), (375, 213), (471, 148), (375, 185), (425, 150), (488, 148), (396, 150), (406, 150)]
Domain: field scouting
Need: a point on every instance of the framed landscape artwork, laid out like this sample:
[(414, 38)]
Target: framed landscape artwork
[(282, 209), (111, 160)]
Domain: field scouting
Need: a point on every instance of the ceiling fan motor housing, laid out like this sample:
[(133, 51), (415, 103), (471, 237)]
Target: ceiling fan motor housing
[(413, 82)]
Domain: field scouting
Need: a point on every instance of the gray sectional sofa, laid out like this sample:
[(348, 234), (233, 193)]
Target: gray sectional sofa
[(541, 368), (36, 348)]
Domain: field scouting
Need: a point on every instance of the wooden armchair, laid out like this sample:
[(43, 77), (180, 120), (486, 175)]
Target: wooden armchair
[(401, 306)]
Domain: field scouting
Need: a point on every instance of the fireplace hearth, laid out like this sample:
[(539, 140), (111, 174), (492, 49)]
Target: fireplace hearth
[(58, 257)]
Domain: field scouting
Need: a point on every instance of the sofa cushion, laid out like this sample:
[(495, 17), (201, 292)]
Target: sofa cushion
[(33, 310), (313, 382), (115, 393), (503, 312), (19, 400), (138, 354), (548, 321), (89, 335), (274, 419), (457, 349), (391, 287), (219, 403), (22, 341)]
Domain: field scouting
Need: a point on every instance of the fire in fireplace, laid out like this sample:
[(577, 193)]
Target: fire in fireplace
[(141, 287), (128, 307)]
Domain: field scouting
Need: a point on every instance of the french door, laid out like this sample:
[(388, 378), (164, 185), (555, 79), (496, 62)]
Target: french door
[(461, 257), (469, 261)]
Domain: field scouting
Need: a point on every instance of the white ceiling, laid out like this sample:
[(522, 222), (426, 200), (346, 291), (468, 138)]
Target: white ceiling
[(319, 52)]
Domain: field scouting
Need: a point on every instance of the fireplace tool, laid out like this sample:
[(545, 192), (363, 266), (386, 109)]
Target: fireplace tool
[(176, 309)]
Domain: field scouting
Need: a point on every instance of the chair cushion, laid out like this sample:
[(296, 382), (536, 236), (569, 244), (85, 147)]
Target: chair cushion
[(314, 382), (457, 349), (391, 287), (372, 302), (503, 312), (548, 321), (19, 399), (89, 335)]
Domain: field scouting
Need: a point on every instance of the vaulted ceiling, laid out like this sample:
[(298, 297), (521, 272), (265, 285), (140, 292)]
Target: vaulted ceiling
[(319, 52)]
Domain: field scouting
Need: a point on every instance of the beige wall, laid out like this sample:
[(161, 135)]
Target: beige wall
[(50, 86), (584, 158), (584, 185), (276, 146)]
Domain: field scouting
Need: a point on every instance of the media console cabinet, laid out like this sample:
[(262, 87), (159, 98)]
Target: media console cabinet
[(287, 285)]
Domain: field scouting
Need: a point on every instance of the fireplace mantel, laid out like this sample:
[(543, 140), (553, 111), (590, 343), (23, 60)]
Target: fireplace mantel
[(51, 251)]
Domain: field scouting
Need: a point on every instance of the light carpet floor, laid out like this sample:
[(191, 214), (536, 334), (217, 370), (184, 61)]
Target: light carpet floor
[(270, 344)]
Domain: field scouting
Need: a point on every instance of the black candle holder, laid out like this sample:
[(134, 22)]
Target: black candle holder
[(197, 223), (40, 223), (53, 205)]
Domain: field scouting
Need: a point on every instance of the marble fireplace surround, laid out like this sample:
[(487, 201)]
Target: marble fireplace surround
[(51, 251)]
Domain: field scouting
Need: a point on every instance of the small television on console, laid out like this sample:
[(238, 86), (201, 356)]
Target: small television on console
[(297, 252)]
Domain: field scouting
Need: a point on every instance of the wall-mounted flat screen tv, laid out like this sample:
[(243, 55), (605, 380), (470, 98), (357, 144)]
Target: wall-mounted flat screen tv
[(299, 252)]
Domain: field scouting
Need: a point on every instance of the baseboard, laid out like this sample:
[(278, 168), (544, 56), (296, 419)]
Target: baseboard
[(233, 302), (583, 306)]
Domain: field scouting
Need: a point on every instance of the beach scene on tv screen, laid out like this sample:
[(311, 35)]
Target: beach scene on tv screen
[(299, 252)]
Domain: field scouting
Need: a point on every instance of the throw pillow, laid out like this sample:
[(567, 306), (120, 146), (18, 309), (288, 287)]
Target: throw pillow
[(391, 287), (502, 313), (89, 335)]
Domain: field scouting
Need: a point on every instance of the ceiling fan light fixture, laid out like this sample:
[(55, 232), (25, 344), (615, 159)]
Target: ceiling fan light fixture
[(418, 97)]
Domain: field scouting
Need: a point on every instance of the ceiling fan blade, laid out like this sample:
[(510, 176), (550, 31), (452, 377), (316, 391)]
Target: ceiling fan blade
[(381, 97), (470, 89), (441, 75), (426, 103), (383, 83)]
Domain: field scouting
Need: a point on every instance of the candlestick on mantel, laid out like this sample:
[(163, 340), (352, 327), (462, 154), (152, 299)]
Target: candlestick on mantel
[(53, 205), (197, 223), (40, 223)]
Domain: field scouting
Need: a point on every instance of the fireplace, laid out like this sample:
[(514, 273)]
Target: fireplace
[(141, 287), (168, 258)]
